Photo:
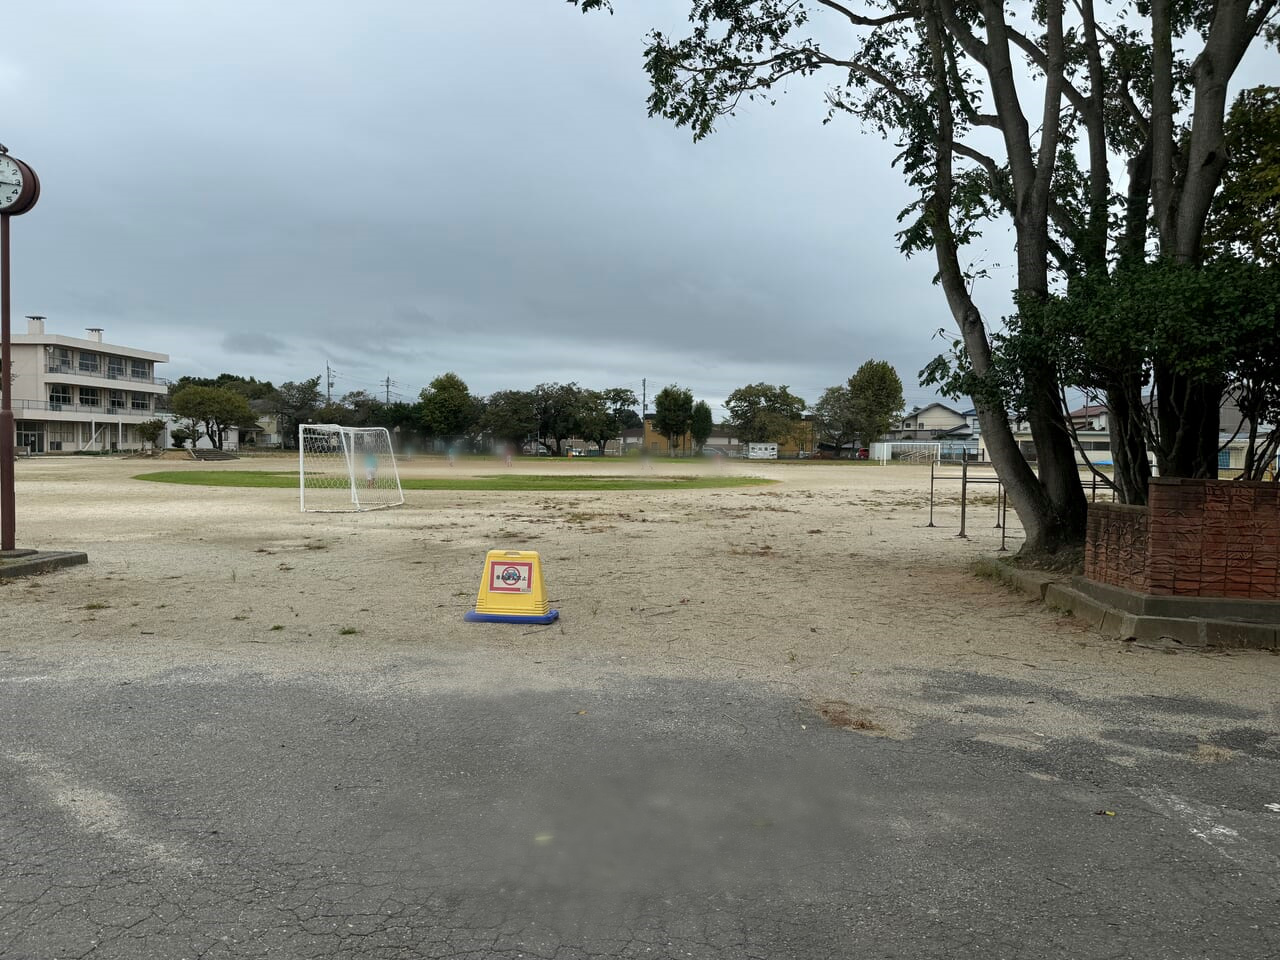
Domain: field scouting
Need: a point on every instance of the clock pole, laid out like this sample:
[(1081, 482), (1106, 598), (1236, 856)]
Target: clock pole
[(7, 525), (13, 204)]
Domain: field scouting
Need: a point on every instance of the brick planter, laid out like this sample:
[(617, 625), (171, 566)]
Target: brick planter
[(1196, 538)]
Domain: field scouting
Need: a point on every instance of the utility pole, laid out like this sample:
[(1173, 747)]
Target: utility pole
[(328, 383), (387, 384), (644, 408)]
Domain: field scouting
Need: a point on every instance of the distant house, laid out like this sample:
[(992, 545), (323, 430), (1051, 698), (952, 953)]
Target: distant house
[(938, 423), (1092, 423), (647, 438), (928, 423)]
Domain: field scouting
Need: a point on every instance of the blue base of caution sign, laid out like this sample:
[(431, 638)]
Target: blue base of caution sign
[(473, 617)]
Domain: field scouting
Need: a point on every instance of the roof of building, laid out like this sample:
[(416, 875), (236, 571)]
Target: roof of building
[(919, 410), (84, 344), (1089, 410)]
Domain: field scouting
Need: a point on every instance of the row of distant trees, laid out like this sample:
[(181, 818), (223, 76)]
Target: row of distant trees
[(446, 410), (862, 408)]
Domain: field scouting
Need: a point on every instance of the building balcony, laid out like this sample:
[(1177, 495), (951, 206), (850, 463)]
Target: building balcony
[(81, 410), (72, 370)]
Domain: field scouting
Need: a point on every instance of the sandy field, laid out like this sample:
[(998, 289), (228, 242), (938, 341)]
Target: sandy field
[(826, 585)]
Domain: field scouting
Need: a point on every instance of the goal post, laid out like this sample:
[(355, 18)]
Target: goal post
[(908, 451), (346, 469)]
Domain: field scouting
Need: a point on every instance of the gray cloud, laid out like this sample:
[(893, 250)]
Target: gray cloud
[(253, 344)]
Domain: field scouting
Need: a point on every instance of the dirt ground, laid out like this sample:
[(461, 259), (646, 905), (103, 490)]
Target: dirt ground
[(827, 585)]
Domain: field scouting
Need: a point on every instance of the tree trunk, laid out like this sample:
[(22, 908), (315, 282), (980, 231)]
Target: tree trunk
[(1058, 468), (1032, 175), (1094, 245), (1251, 451), (1045, 529), (1187, 414), (1187, 411), (1230, 34), (1162, 146), (1127, 414)]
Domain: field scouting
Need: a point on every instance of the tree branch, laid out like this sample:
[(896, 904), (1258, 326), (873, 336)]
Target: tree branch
[(1076, 442), (1055, 81), (1041, 60), (1139, 119), (861, 21), (964, 36)]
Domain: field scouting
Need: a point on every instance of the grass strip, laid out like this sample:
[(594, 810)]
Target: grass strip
[(511, 482)]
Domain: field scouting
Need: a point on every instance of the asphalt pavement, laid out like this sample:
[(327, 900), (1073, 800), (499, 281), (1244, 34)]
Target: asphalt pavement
[(211, 814)]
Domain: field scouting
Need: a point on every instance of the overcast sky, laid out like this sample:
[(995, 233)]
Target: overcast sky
[(405, 187)]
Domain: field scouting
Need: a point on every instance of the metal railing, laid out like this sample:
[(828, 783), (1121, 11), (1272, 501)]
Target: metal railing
[(71, 370), (91, 408)]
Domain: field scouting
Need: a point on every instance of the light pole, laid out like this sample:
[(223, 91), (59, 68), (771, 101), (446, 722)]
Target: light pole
[(19, 191)]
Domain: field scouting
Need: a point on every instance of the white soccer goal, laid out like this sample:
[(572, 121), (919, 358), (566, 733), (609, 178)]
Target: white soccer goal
[(346, 468), (908, 451)]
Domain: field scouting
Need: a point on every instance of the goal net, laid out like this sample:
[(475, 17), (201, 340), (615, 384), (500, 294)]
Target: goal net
[(346, 468), (917, 451)]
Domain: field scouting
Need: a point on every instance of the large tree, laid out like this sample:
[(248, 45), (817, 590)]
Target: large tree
[(1069, 98), (295, 404), (604, 414), (762, 412), (622, 403), (558, 409), (594, 420), (363, 409), (510, 416), (672, 413), (218, 410), (834, 417), (875, 400), (449, 410), (250, 387), (701, 424)]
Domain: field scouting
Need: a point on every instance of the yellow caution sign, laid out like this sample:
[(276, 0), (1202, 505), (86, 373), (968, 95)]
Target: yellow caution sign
[(512, 590)]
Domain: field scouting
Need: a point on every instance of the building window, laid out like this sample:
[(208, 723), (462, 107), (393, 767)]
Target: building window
[(140, 370), (57, 434), (90, 397), (59, 393), (115, 368), (59, 360), (1224, 459), (141, 402), (115, 399), (89, 362)]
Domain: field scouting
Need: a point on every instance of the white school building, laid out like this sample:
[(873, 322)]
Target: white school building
[(74, 394)]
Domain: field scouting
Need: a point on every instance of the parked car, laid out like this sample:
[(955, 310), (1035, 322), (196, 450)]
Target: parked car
[(862, 454)]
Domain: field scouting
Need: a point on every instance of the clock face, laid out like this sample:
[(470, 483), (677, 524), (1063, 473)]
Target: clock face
[(10, 182)]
